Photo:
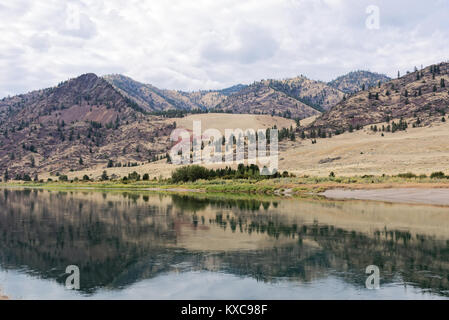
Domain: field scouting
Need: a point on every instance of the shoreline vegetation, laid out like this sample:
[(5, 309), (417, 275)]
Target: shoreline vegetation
[(199, 179)]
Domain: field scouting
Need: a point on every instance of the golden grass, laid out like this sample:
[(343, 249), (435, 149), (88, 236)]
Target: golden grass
[(418, 150), (222, 121)]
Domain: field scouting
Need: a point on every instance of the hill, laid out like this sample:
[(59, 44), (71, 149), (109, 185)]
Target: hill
[(421, 96), (261, 98), (293, 97), (316, 94), (355, 81), (79, 123), (154, 99)]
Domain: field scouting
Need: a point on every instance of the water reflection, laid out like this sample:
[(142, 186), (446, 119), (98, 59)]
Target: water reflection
[(120, 238)]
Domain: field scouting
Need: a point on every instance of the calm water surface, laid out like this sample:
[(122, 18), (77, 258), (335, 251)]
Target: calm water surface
[(137, 245)]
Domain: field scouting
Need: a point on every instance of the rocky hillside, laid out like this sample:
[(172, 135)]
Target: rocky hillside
[(154, 99), (292, 96), (80, 123), (261, 98), (297, 97), (356, 80), (316, 94), (422, 95)]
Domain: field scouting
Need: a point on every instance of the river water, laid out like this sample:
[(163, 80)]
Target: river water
[(143, 245)]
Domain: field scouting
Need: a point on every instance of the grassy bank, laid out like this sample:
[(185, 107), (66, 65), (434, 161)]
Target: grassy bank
[(280, 186)]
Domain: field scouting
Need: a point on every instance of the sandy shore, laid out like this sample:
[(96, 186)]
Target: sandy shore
[(402, 195)]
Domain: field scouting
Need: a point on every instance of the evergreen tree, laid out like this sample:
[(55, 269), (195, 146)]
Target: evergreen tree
[(104, 176)]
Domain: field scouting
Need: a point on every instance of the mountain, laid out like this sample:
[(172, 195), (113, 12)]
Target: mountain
[(295, 96), (80, 123), (316, 94), (355, 80), (421, 95), (260, 98), (154, 99)]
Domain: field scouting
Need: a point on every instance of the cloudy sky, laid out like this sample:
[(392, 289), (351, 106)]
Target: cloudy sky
[(208, 44)]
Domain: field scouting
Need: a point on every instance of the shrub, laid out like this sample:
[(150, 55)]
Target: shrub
[(104, 176), (63, 177), (134, 176), (408, 175), (86, 177), (146, 177), (190, 173), (195, 172), (437, 175)]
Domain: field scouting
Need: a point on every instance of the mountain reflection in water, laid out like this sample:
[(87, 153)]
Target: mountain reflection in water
[(118, 239)]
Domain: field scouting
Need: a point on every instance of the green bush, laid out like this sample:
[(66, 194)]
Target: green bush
[(190, 174), (104, 176), (408, 175), (63, 177), (437, 175), (134, 176), (195, 172)]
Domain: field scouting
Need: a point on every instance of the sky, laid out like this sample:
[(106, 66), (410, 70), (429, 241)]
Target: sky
[(212, 44)]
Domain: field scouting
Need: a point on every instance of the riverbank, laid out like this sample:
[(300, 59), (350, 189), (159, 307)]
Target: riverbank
[(405, 195), (298, 186)]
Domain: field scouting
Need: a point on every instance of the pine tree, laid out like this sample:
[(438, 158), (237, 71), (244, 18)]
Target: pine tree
[(442, 83)]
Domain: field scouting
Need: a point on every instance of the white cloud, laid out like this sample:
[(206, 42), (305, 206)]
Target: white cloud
[(211, 44)]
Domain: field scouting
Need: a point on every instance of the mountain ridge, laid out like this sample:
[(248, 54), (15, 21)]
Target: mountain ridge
[(422, 95)]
